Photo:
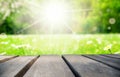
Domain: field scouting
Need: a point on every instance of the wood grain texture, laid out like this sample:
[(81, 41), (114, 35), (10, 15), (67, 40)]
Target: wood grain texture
[(113, 62), (6, 58), (113, 55), (12, 67), (49, 66), (89, 68)]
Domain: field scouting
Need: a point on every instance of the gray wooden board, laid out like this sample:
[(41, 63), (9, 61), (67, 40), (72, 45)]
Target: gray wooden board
[(89, 68), (114, 62), (49, 66), (12, 67), (4, 57), (113, 56)]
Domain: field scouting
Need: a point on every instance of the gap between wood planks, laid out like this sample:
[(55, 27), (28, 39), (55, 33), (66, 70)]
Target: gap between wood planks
[(112, 56), (6, 59), (27, 67), (22, 72), (114, 67), (71, 67)]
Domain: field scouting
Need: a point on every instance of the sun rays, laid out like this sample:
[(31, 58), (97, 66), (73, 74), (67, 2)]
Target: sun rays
[(53, 14)]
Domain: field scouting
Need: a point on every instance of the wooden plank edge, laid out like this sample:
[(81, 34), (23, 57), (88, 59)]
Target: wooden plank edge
[(6, 59), (110, 56), (22, 72), (102, 62), (75, 73)]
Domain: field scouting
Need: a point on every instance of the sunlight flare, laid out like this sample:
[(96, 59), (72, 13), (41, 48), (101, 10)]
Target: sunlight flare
[(55, 12)]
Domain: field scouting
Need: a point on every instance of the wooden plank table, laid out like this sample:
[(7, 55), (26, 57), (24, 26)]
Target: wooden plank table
[(60, 66)]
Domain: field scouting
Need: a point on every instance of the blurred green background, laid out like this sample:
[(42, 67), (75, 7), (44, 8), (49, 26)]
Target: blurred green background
[(92, 16), (93, 28)]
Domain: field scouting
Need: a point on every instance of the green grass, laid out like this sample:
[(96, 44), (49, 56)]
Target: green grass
[(59, 44)]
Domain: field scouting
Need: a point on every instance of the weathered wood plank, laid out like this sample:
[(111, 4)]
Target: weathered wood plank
[(12, 67), (113, 55), (6, 58), (113, 62), (49, 66), (3, 57), (86, 67)]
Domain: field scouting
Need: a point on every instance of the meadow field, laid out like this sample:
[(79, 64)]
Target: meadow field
[(59, 44)]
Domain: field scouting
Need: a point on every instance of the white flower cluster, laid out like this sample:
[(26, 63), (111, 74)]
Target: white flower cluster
[(108, 47), (21, 46)]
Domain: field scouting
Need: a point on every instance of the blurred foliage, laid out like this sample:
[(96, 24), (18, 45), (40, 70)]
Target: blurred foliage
[(10, 12), (97, 16), (105, 16)]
